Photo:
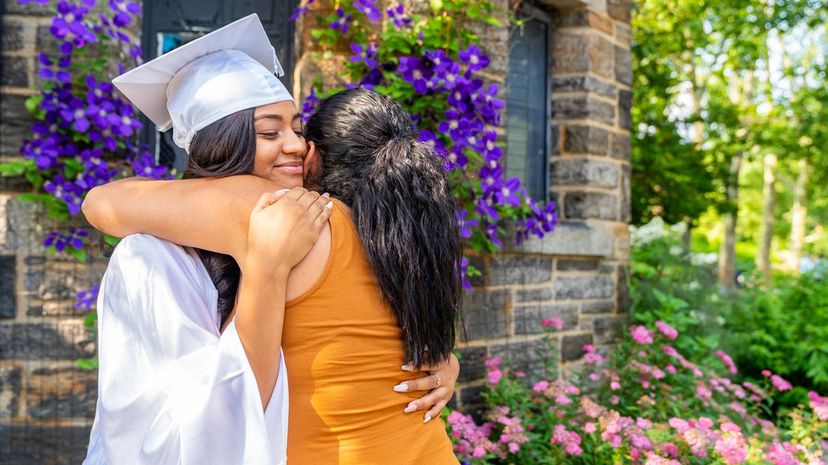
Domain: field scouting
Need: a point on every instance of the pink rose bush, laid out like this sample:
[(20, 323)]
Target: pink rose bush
[(647, 404)]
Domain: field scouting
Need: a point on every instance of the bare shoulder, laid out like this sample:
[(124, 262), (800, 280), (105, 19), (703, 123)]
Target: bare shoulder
[(308, 272)]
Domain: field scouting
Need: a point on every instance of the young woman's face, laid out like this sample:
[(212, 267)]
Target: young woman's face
[(280, 146)]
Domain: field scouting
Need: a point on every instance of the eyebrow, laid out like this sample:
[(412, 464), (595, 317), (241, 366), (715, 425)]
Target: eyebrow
[(275, 116)]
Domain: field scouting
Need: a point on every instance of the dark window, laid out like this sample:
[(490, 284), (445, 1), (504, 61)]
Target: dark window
[(171, 23), (528, 107)]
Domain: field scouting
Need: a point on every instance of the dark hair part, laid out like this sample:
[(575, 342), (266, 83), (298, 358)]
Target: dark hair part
[(403, 210), (224, 148)]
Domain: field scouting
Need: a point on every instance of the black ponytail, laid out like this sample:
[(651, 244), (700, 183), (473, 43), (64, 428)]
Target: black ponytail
[(402, 208)]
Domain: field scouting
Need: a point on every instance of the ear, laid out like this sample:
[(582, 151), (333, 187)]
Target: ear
[(311, 158)]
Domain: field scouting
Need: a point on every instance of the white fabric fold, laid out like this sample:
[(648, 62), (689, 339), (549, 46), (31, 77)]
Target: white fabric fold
[(172, 390)]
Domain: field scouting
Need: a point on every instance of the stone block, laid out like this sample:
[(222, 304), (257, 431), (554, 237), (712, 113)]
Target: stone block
[(572, 346), (624, 108), (528, 319), (486, 314), (601, 306), (608, 329), (555, 140), (584, 18), (49, 444), (622, 298), (620, 10), (577, 265), (46, 42), (519, 270), (576, 53), (582, 205), (584, 287), (586, 139), (9, 391), (15, 121), (8, 266), (571, 238), (584, 172), (13, 35), (583, 108), (623, 33), (620, 146), (536, 358), (66, 340), (472, 363), (534, 295), (583, 84), (64, 392), (471, 395), (15, 72), (623, 65), (625, 214), (30, 8)]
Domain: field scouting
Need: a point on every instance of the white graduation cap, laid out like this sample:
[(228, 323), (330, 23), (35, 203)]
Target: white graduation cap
[(226, 71)]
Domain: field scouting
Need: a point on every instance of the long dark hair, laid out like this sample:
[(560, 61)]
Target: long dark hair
[(403, 210), (224, 148)]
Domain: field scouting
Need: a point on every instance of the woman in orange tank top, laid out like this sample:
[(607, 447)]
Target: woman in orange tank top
[(389, 290)]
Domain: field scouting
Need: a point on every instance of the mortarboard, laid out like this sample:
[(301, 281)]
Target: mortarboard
[(226, 71)]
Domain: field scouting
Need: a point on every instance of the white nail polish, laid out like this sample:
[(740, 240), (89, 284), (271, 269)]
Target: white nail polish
[(427, 419), (329, 204), (282, 191), (402, 387), (412, 407), (405, 368)]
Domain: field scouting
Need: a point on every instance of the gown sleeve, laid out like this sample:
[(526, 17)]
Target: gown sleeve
[(172, 389)]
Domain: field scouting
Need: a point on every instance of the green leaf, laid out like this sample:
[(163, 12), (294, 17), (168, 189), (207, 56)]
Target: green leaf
[(16, 168), (87, 363), (111, 240), (436, 5), (79, 254)]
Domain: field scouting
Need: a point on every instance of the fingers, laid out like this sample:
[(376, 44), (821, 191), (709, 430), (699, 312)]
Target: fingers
[(295, 193), (267, 199), (433, 403), (324, 214), (435, 411), (426, 383)]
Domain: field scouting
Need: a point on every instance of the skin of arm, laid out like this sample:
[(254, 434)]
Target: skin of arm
[(208, 213)]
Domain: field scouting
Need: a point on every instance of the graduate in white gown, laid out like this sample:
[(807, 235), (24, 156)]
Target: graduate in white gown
[(175, 387)]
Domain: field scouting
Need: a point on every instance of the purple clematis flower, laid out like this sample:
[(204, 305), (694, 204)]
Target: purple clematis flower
[(465, 225), (369, 9), (343, 22), (366, 54), (508, 193), (473, 57), (397, 15)]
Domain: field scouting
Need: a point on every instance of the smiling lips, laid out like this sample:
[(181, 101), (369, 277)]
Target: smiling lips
[(291, 168)]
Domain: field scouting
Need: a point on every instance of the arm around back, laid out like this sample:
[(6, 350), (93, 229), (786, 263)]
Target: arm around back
[(207, 213)]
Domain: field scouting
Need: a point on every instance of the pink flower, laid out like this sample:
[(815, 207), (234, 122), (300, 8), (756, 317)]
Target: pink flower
[(782, 454), (594, 377), (615, 385), (554, 323), (728, 361), (732, 445), (571, 441), (668, 331), (670, 449), (766, 373), (702, 392), (494, 376), (541, 386), (780, 383), (655, 459), (641, 335), (494, 362), (819, 405), (589, 427)]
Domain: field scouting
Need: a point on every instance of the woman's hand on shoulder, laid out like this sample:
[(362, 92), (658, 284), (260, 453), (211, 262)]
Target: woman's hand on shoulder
[(283, 227), (439, 383)]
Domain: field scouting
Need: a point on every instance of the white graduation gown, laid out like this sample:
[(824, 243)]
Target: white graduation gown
[(172, 390)]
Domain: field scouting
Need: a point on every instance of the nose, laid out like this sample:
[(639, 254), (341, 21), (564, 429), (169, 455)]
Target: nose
[(295, 145)]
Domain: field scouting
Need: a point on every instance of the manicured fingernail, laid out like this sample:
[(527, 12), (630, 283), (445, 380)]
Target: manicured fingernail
[(326, 194), (402, 387), (412, 407), (282, 191), (427, 419), (329, 204), (405, 368)]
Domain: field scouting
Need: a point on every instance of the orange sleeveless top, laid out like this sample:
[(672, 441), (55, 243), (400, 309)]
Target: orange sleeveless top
[(343, 350)]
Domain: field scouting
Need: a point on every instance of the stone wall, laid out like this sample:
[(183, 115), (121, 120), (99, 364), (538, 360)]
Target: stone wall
[(578, 273), (46, 402)]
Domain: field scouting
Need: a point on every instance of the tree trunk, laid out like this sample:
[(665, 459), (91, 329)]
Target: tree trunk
[(799, 216), (727, 253), (763, 260)]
